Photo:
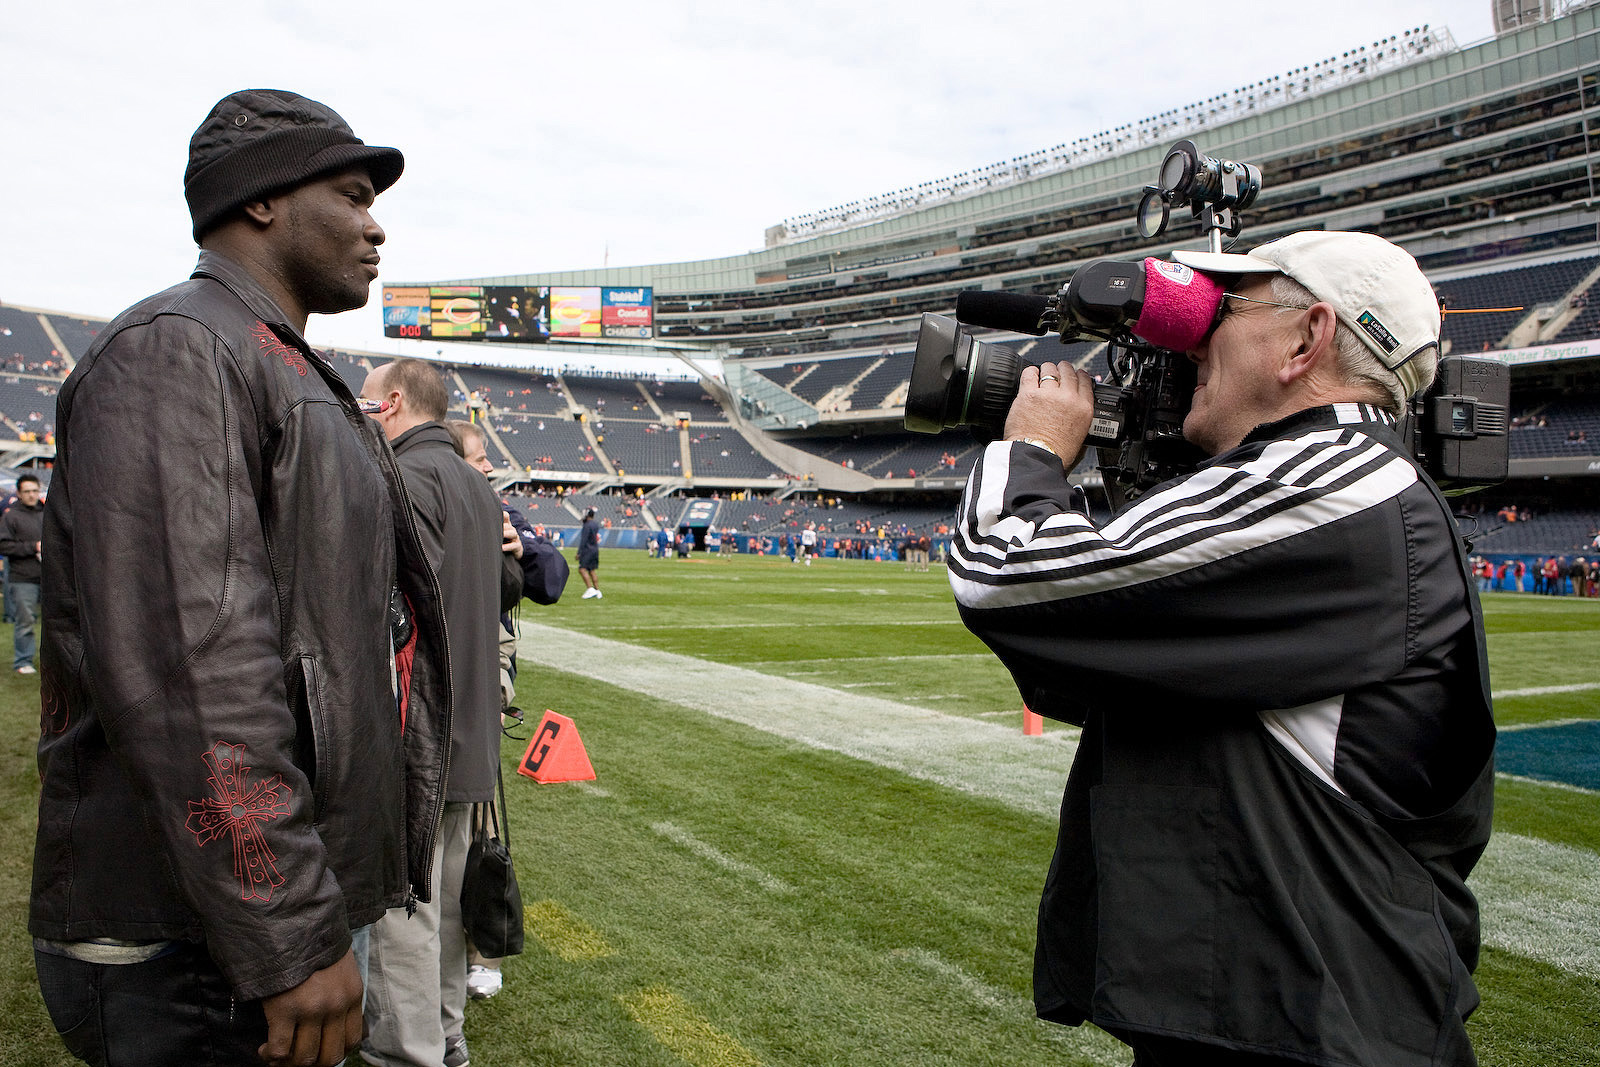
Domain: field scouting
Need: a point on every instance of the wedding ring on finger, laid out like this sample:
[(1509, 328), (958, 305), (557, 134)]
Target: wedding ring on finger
[(1048, 378)]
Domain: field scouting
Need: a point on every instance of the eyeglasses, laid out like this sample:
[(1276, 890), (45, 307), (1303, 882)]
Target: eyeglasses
[(1222, 306)]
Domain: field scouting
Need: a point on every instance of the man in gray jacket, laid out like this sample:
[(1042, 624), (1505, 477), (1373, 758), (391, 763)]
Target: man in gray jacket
[(417, 991)]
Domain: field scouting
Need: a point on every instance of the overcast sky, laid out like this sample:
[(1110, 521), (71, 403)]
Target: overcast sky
[(542, 136)]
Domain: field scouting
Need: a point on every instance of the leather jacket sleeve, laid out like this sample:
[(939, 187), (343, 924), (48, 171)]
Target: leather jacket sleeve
[(189, 681)]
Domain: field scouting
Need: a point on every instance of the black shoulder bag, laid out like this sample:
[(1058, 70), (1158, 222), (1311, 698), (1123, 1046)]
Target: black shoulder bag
[(491, 903)]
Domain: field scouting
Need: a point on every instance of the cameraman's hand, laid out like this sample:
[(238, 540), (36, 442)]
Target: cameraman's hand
[(1054, 404)]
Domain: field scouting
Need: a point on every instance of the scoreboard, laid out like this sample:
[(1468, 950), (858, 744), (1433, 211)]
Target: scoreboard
[(525, 314)]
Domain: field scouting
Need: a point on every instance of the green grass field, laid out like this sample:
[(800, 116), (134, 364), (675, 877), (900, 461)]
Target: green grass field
[(817, 834)]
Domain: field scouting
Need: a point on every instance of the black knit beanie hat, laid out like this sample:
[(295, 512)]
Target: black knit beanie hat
[(261, 141)]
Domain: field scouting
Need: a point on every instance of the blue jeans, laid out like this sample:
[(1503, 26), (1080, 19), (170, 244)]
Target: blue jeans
[(174, 1009), (24, 604)]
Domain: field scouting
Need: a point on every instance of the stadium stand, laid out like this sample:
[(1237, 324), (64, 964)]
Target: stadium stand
[(884, 379), (829, 375), (1586, 323), (1522, 288), (24, 346), (515, 391), (75, 332), (718, 453), (673, 397), (640, 447), (29, 403), (618, 398), (1569, 532), (542, 510), (611, 510), (1561, 428), (550, 443)]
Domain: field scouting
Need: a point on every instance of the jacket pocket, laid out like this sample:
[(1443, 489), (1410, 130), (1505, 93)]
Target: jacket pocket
[(315, 759), (1156, 861)]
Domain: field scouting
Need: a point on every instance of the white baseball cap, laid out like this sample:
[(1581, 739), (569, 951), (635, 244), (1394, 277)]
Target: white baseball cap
[(1375, 287)]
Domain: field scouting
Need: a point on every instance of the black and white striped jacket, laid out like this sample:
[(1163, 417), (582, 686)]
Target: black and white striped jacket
[(1289, 639)]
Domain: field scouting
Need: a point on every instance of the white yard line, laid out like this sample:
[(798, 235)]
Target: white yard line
[(867, 659), (1089, 1042), (981, 758), (1562, 786), (1538, 898), (680, 836), (1545, 690), (675, 626), (1547, 724)]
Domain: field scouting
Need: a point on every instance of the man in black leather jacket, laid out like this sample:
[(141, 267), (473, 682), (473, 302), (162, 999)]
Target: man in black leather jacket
[(238, 768)]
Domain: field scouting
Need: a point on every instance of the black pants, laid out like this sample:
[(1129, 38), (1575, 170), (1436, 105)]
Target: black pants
[(1149, 1051), (174, 1009)]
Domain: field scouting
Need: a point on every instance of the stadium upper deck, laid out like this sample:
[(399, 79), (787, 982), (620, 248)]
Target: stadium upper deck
[(1474, 159)]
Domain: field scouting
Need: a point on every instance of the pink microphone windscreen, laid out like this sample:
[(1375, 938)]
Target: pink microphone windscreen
[(1180, 303)]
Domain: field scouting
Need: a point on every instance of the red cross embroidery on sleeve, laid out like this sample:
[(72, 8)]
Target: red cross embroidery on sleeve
[(239, 809)]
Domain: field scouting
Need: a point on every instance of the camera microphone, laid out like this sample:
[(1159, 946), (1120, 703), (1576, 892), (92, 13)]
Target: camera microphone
[(1016, 312)]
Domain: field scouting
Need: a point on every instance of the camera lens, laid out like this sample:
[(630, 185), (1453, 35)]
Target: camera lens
[(957, 380)]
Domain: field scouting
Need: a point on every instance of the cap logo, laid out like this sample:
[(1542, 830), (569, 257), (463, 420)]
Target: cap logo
[(1377, 331)]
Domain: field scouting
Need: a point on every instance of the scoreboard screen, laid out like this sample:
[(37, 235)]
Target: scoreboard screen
[(523, 314)]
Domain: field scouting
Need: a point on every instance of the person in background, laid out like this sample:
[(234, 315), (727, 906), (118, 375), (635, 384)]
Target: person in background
[(589, 556), (544, 576), (21, 532), (417, 991)]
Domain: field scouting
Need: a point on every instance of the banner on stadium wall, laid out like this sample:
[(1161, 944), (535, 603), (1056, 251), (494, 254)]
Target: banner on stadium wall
[(626, 313), (518, 313), (1543, 353)]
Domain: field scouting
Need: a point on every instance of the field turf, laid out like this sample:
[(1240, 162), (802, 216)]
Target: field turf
[(817, 834)]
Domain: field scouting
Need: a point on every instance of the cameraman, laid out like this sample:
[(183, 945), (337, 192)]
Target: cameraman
[(1284, 775)]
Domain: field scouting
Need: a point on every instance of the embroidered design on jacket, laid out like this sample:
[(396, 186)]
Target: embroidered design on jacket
[(239, 809), (54, 713), (271, 346)]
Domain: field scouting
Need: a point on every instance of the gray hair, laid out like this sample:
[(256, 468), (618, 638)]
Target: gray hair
[(1358, 365)]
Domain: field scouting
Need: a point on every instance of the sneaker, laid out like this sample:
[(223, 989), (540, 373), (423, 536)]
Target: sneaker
[(483, 982), (455, 1052), (26, 668), (598, 594), (590, 594)]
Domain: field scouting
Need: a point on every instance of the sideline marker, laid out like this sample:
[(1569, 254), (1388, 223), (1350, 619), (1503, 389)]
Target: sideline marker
[(1032, 725), (556, 753)]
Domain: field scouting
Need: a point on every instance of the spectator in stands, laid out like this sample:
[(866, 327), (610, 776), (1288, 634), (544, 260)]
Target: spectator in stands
[(416, 990), (21, 535), (1272, 727), (589, 556), (244, 584)]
